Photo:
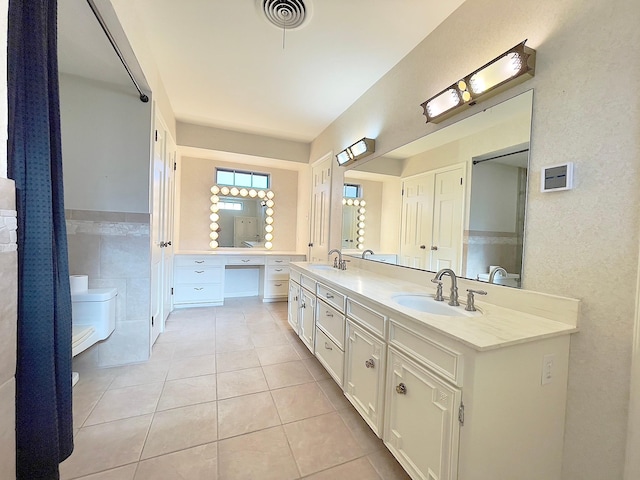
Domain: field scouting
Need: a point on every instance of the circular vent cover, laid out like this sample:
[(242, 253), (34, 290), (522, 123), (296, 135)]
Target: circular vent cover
[(289, 14)]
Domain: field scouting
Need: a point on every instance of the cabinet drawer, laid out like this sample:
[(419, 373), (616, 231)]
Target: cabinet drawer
[(190, 274), (308, 283), (331, 297), (330, 355), (194, 293), (446, 362), (197, 260), (245, 260), (332, 323), (277, 272), (366, 317), (278, 260), (276, 288)]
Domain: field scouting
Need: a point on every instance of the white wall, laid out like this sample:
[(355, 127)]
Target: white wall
[(105, 146), (573, 239)]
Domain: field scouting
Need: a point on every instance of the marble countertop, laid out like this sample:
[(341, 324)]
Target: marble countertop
[(493, 327)]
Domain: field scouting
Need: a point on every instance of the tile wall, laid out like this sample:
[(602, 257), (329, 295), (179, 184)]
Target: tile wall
[(8, 322), (112, 248)]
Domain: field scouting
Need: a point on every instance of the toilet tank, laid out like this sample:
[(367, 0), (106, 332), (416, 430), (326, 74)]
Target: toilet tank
[(97, 308)]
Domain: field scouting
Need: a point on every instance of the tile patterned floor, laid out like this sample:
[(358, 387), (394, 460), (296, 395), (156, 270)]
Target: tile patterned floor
[(229, 393)]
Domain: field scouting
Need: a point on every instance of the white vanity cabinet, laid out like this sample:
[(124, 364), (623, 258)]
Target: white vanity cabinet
[(330, 331), (276, 277), (198, 280), (293, 306), (306, 317)]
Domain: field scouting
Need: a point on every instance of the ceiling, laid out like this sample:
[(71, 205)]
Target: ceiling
[(224, 65)]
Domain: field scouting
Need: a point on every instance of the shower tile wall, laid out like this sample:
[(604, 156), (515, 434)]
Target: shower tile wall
[(113, 249), (8, 321)]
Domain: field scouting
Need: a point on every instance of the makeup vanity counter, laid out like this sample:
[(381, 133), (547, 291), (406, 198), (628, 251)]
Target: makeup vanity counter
[(476, 396)]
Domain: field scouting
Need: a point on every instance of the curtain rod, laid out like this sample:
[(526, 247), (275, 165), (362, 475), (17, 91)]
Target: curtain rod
[(475, 162), (143, 97)]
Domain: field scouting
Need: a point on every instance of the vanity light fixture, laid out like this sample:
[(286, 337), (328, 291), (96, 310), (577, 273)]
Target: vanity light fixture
[(505, 71), (362, 148)]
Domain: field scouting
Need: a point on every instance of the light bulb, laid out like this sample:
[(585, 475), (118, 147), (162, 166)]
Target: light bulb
[(268, 220), (269, 212), (215, 189), (234, 191), (213, 235), (244, 192), (261, 194), (213, 244), (253, 193), (269, 203), (268, 228), (214, 217), (268, 237), (270, 194), (268, 245), (224, 190)]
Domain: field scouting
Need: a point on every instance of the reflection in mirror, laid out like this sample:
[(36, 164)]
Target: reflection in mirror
[(241, 218), (454, 198)]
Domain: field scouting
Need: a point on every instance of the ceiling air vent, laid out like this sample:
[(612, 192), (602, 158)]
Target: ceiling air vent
[(286, 14)]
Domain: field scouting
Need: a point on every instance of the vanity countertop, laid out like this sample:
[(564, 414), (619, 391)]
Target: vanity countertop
[(495, 327), (240, 251)]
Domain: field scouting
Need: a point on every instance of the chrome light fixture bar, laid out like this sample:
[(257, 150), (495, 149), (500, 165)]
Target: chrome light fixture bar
[(362, 148), (505, 71)]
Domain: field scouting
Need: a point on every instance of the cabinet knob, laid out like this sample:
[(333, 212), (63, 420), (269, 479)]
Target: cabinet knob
[(327, 346), (369, 363), (328, 295), (423, 247), (401, 389)]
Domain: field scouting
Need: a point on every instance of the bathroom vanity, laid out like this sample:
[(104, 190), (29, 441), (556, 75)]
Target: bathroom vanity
[(204, 279), (454, 394)]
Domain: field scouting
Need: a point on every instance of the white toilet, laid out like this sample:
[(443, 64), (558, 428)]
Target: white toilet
[(93, 318)]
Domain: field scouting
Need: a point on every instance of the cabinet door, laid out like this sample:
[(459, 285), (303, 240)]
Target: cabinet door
[(293, 306), (364, 375), (421, 420), (306, 318)]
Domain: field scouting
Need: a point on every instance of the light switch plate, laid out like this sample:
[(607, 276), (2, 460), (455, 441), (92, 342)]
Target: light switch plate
[(556, 177)]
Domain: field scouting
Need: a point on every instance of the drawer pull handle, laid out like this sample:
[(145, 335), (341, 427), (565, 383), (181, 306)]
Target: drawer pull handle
[(246, 260), (328, 295), (278, 284), (302, 305), (328, 314), (327, 346), (199, 261), (199, 271), (197, 288), (279, 261), (401, 389), (369, 363), (278, 269)]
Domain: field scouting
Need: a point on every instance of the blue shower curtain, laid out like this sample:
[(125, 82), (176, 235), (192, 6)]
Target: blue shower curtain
[(44, 428)]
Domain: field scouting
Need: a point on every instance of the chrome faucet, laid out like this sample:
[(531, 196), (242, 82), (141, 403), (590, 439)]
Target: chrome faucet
[(453, 297), (338, 262), (364, 254), (497, 270)]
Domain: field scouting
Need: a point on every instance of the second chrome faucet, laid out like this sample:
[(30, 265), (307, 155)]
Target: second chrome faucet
[(453, 297)]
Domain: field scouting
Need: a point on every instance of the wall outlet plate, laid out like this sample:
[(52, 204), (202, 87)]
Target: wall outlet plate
[(556, 177)]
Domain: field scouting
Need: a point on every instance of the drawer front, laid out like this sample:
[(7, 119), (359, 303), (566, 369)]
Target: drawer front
[(332, 322), (294, 276), (368, 318), (308, 283), (277, 272), (276, 288), (446, 362), (245, 260), (198, 274), (194, 293), (197, 260), (330, 355), (278, 260), (331, 297)]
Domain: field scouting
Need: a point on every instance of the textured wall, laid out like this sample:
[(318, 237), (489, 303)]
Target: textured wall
[(582, 243)]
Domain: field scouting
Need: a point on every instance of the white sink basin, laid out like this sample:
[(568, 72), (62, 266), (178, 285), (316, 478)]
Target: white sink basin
[(320, 266), (427, 304)]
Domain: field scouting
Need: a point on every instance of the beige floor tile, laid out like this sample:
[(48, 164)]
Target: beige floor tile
[(248, 413), (316, 369), (286, 374), (232, 329), (264, 327), (233, 343), (84, 402), (97, 380), (121, 473), (192, 367), (321, 442), (231, 361), (269, 339), (386, 465), (197, 463), (301, 401), (188, 391), (241, 382), (180, 428), (301, 349), (162, 352), (106, 446), (359, 469), (140, 374), (277, 354), (334, 393), (117, 404), (263, 455), (361, 431), (194, 349)]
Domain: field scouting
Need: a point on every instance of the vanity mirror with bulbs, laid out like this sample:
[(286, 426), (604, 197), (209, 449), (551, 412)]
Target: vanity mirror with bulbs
[(452, 199)]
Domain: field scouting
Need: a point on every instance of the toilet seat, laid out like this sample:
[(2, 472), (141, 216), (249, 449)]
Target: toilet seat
[(79, 333)]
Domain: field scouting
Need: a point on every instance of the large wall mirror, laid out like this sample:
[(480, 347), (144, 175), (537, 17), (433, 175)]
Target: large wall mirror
[(454, 198)]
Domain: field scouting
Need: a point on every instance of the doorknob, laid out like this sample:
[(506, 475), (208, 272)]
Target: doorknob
[(434, 247), (401, 389), (423, 247), (369, 363), (310, 245)]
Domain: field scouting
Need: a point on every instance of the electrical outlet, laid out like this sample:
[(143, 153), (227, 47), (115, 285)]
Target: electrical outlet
[(548, 364)]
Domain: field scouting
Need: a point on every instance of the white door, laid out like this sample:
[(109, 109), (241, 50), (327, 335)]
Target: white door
[(306, 318), (417, 222), (320, 210), (448, 199), (293, 306), (167, 251), (157, 228), (421, 423)]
